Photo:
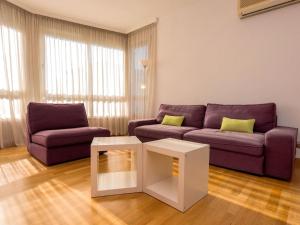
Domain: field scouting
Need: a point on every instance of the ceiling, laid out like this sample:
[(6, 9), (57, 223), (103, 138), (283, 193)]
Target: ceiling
[(117, 15)]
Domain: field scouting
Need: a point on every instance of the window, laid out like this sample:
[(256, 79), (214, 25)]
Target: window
[(108, 71), (66, 69), (81, 72), (139, 53), (11, 73)]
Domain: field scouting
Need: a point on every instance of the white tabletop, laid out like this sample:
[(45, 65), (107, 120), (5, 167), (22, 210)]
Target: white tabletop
[(110, 141), (176, 145)]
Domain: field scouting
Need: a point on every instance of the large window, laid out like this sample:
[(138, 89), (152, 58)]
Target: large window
[(11, 73), (89, 73)]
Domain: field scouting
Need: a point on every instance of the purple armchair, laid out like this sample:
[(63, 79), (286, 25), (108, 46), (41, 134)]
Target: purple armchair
[(58, 133), (270, 150)]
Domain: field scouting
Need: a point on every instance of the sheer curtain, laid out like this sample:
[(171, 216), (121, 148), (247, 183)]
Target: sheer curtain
[(12, 75), (48, 60), (83, 64), (142, 71)]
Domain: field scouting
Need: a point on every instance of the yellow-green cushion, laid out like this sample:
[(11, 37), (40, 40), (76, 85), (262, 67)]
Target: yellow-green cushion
[(245, 126), (172, 120)]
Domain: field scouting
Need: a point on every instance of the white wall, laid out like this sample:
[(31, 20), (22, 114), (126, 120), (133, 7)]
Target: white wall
[(207, 54)]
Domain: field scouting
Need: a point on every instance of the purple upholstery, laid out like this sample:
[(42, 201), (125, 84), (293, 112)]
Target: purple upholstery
[(145, 139), (158, 131), (270, 150), (250, 144), (59, 154), (236, 161), (44, 116), (59, 132), (71, 136), (137, 123), (193, 114), (280, 152), (264, 115)]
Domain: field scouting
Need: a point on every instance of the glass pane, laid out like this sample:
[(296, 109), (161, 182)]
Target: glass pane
[(66, 67), (109, 109), (108, 71), (139, 54), (75, 70), (139, 79), (11, 65)]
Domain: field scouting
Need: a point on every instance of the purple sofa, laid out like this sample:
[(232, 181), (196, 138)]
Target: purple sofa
[(269, 151), (59, 132)]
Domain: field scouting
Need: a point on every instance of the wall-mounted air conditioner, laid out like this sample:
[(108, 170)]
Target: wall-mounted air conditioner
[(253, 7)]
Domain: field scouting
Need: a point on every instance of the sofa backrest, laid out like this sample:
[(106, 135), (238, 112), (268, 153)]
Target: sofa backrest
[(44, 116), (264, 115), (193, 114)]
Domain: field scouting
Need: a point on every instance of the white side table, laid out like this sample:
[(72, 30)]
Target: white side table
[(191, 184), (111, 183)]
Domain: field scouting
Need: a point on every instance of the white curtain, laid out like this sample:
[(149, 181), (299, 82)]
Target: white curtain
[(12, 76), (48, 60), (83, 64), (142, 71)]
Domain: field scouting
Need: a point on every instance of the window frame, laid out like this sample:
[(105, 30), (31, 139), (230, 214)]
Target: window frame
[(89, 98)]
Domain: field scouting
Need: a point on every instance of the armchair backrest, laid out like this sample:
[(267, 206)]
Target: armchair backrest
[(193, 114), (46, 116), (264, 115)]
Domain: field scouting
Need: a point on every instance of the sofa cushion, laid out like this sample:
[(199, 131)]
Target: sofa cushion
[(159, 131), (193, 114), (264, 115), (45, 116), (62, 137), (251, 144), (173, 120), (245, 126)]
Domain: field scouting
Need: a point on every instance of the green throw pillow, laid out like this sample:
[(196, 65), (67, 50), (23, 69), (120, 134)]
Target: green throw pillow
[(237, 125), (172, 120)]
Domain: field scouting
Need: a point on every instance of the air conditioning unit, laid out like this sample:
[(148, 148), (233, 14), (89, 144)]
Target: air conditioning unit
[(253, 7)]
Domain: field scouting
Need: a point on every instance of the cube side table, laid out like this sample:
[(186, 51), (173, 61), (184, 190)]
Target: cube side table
[(112, 183), (191, 184)]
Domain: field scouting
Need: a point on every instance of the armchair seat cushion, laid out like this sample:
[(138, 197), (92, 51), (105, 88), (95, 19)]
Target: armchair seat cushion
[(251, 144), (159, 131), (71, 136)]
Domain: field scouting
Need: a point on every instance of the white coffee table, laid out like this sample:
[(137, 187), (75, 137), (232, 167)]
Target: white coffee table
[(121, 182), (190, 185)]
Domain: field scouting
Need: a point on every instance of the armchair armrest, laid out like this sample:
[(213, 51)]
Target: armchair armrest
[(280, 150), (137, 123), (27, 132)]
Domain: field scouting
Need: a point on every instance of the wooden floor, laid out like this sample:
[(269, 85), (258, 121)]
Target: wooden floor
[(31, 193)]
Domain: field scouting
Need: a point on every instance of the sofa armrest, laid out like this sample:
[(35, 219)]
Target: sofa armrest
[(280, 150), (27, 132), (137, 123)]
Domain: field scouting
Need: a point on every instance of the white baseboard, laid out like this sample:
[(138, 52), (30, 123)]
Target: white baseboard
[(298, 153)]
